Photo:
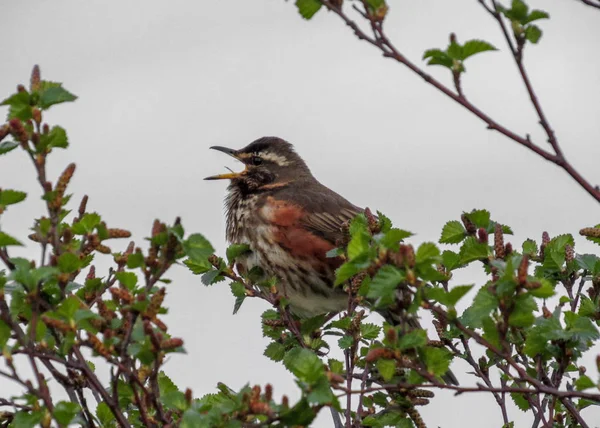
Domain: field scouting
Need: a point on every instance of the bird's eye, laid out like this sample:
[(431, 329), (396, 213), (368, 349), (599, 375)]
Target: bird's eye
[(256, 160)]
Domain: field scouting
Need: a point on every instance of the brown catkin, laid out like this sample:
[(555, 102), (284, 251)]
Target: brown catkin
[(471, 228), (118, 233), (569, 253), (522, 271), (545, 241), (36, 79), (498, 241), (171, 344), (592, 232)]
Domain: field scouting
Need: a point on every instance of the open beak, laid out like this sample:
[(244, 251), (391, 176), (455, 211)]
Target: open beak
[(230, 175)]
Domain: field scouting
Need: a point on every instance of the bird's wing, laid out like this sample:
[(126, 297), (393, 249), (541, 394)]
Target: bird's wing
[(325, 213), (329, 224)]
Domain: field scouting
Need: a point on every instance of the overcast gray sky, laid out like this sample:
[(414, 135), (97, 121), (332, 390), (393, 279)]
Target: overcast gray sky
[(161, 81)]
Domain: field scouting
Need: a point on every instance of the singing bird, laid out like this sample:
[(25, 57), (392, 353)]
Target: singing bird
[(290, 221)]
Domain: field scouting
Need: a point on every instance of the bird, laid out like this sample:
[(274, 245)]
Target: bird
[(290, 221)]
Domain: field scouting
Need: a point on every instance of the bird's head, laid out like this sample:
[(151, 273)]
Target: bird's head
[(270, 163)]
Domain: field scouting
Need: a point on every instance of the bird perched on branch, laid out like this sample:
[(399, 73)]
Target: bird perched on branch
[(290, 221)]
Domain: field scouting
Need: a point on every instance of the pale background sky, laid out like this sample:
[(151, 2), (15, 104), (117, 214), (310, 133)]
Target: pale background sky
[(160, 82)]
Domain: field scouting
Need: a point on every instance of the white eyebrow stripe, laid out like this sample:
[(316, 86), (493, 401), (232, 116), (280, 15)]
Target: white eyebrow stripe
[(274, 157)]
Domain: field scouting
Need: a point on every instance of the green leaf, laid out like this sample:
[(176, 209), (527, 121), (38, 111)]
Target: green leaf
[(55, 95), (480, 218), (358, 245), (236, 250), (522, 313), (345, 342), (20, 106), (546, 290), (535, 15), (520, 400), (454, 51), (539, 337), (451, 260), (388, 419), (384, 283), (65, 411), (490, 331), (387, 368), (588, 262), (86, 224), (533, 34), (7, 146), (437, 360), (438, 57), (392, 237), (5, 333), (483, 304), (57, 137), (320, 393), (275, 351), (198, 267), (530, 247), (347, 271), (584, 382), (104, 414), (212, 277), (192, 419), (369, 331), (9, 197), (165, 384), (302, 414), (335, 366), (581, 327), (375, 4), (414, 339), (472, 250), (308, 8), (385, 224), (427, 252), (85, 314), (127, 279), (449, 298), (453, 233), (587, 308), (68, 307), (7, 240), (197, 247), (473, 47), (519, 10), (304, 364), (238, 289), (27, 419), (68, 263), (238, 304), (135, 260)]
